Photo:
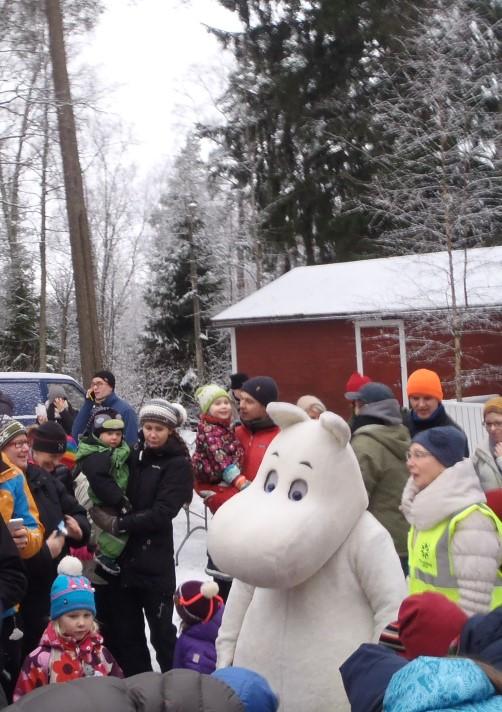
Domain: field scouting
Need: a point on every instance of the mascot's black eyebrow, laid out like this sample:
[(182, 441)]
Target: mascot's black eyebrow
[(307, 464)]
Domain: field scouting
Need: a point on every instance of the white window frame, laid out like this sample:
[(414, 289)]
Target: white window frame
[(399, 323)]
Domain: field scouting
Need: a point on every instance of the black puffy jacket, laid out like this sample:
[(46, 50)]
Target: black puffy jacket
[(172, 691), (161, 482)]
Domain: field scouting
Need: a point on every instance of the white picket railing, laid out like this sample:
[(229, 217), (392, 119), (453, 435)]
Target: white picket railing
[(469, 416)]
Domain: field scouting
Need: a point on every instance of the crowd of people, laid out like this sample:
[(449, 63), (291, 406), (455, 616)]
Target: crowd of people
[(88, 499)]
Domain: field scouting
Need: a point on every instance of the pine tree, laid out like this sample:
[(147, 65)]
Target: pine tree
[(182, 242), (297, 116)]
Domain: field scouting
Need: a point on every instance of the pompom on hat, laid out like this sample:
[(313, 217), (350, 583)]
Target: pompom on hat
[(447, 443), (71, 591), (424, 382), (9, 429), (197, 602), (494, 405), (158, 410), (206, 395)]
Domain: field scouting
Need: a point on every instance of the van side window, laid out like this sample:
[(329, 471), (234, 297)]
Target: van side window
[(74, 396)]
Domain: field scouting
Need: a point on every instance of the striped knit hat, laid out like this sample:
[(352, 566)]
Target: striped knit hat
[(71, 591), (9, 429), (161, 411)]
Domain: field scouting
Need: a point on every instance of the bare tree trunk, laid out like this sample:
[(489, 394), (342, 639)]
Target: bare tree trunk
[(88, 325), (199, 356), (42, 322)]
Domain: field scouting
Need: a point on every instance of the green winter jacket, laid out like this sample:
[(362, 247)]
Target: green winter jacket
[(107, 473), (118, 470), (381, 453)]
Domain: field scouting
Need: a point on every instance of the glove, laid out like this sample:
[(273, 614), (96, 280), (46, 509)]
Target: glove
[(125, 506), (105, 521), (232, 476)]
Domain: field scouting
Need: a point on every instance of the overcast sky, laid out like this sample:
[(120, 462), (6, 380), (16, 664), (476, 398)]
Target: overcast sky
[(164, 67)]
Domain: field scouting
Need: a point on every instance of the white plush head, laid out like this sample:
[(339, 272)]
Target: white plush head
[(307, 496)]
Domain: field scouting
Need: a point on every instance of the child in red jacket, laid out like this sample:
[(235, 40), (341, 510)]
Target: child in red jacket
[(218, 455)]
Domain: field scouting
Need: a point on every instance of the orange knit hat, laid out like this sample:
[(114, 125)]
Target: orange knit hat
[(494, 405), (425, 383)]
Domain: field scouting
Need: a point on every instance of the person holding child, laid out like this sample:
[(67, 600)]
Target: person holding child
[(71, 646)]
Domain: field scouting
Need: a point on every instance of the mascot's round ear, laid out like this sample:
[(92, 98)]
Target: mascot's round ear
[(336, 426), (286, 414)]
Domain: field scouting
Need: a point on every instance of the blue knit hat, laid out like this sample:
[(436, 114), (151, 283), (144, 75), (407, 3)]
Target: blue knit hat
[(254, 691), (447, 443), (71, 591)]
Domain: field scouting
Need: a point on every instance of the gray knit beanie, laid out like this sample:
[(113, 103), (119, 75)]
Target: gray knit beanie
[(161, 411)]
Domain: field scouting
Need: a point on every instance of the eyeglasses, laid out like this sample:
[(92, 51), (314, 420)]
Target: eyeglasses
[(417, 454), (496, 424), (19, 444)]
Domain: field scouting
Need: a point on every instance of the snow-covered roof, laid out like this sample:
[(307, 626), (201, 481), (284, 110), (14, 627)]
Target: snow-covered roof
[(384, 286)]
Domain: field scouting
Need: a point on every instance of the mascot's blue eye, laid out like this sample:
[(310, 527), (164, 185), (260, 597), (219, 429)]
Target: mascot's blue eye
[(298, 490), (271, 481)]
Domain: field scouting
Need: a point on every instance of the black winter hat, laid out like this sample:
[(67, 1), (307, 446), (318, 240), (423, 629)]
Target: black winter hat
[(237, 379), (106, 376), (261, 388), (49, 437)]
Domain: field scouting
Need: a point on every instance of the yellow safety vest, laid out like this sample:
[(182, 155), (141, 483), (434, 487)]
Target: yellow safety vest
[(431, 562)]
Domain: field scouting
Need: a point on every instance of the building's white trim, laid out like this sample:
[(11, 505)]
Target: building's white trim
[(233, 350), (399, 323)]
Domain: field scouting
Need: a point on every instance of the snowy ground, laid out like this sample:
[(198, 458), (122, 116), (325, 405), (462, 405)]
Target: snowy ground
[(192, 557)]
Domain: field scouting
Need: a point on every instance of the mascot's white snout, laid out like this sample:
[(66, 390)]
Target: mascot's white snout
[(315, 574)]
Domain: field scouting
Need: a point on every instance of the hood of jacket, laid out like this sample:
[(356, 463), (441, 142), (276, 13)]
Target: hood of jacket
[(396, 438), (388, 411), (366, 674), (481, 638), (455, 489), (440, 684)]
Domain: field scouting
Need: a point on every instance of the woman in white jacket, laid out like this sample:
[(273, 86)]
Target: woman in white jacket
[(487, 459), (455, 542)]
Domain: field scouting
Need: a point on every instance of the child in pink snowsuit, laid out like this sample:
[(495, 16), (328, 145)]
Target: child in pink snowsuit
[(218, 455)]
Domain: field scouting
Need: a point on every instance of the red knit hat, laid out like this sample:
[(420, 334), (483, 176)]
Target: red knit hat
[(355, 383), (428, 623), (423, 382)]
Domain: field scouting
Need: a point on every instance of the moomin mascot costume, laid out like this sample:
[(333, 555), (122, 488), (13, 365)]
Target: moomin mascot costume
[(315, 574)]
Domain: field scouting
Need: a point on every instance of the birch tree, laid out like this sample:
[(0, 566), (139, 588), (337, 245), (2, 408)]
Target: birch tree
[(439, 186)]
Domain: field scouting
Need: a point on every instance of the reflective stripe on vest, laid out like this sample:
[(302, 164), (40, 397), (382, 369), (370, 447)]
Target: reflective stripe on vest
[(431, 560)]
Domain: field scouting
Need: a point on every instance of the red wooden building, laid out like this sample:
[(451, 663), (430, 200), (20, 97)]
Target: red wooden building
[(312, 327)]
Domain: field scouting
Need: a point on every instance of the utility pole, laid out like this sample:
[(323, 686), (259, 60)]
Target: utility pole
[(194, 284), (80, 240)]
